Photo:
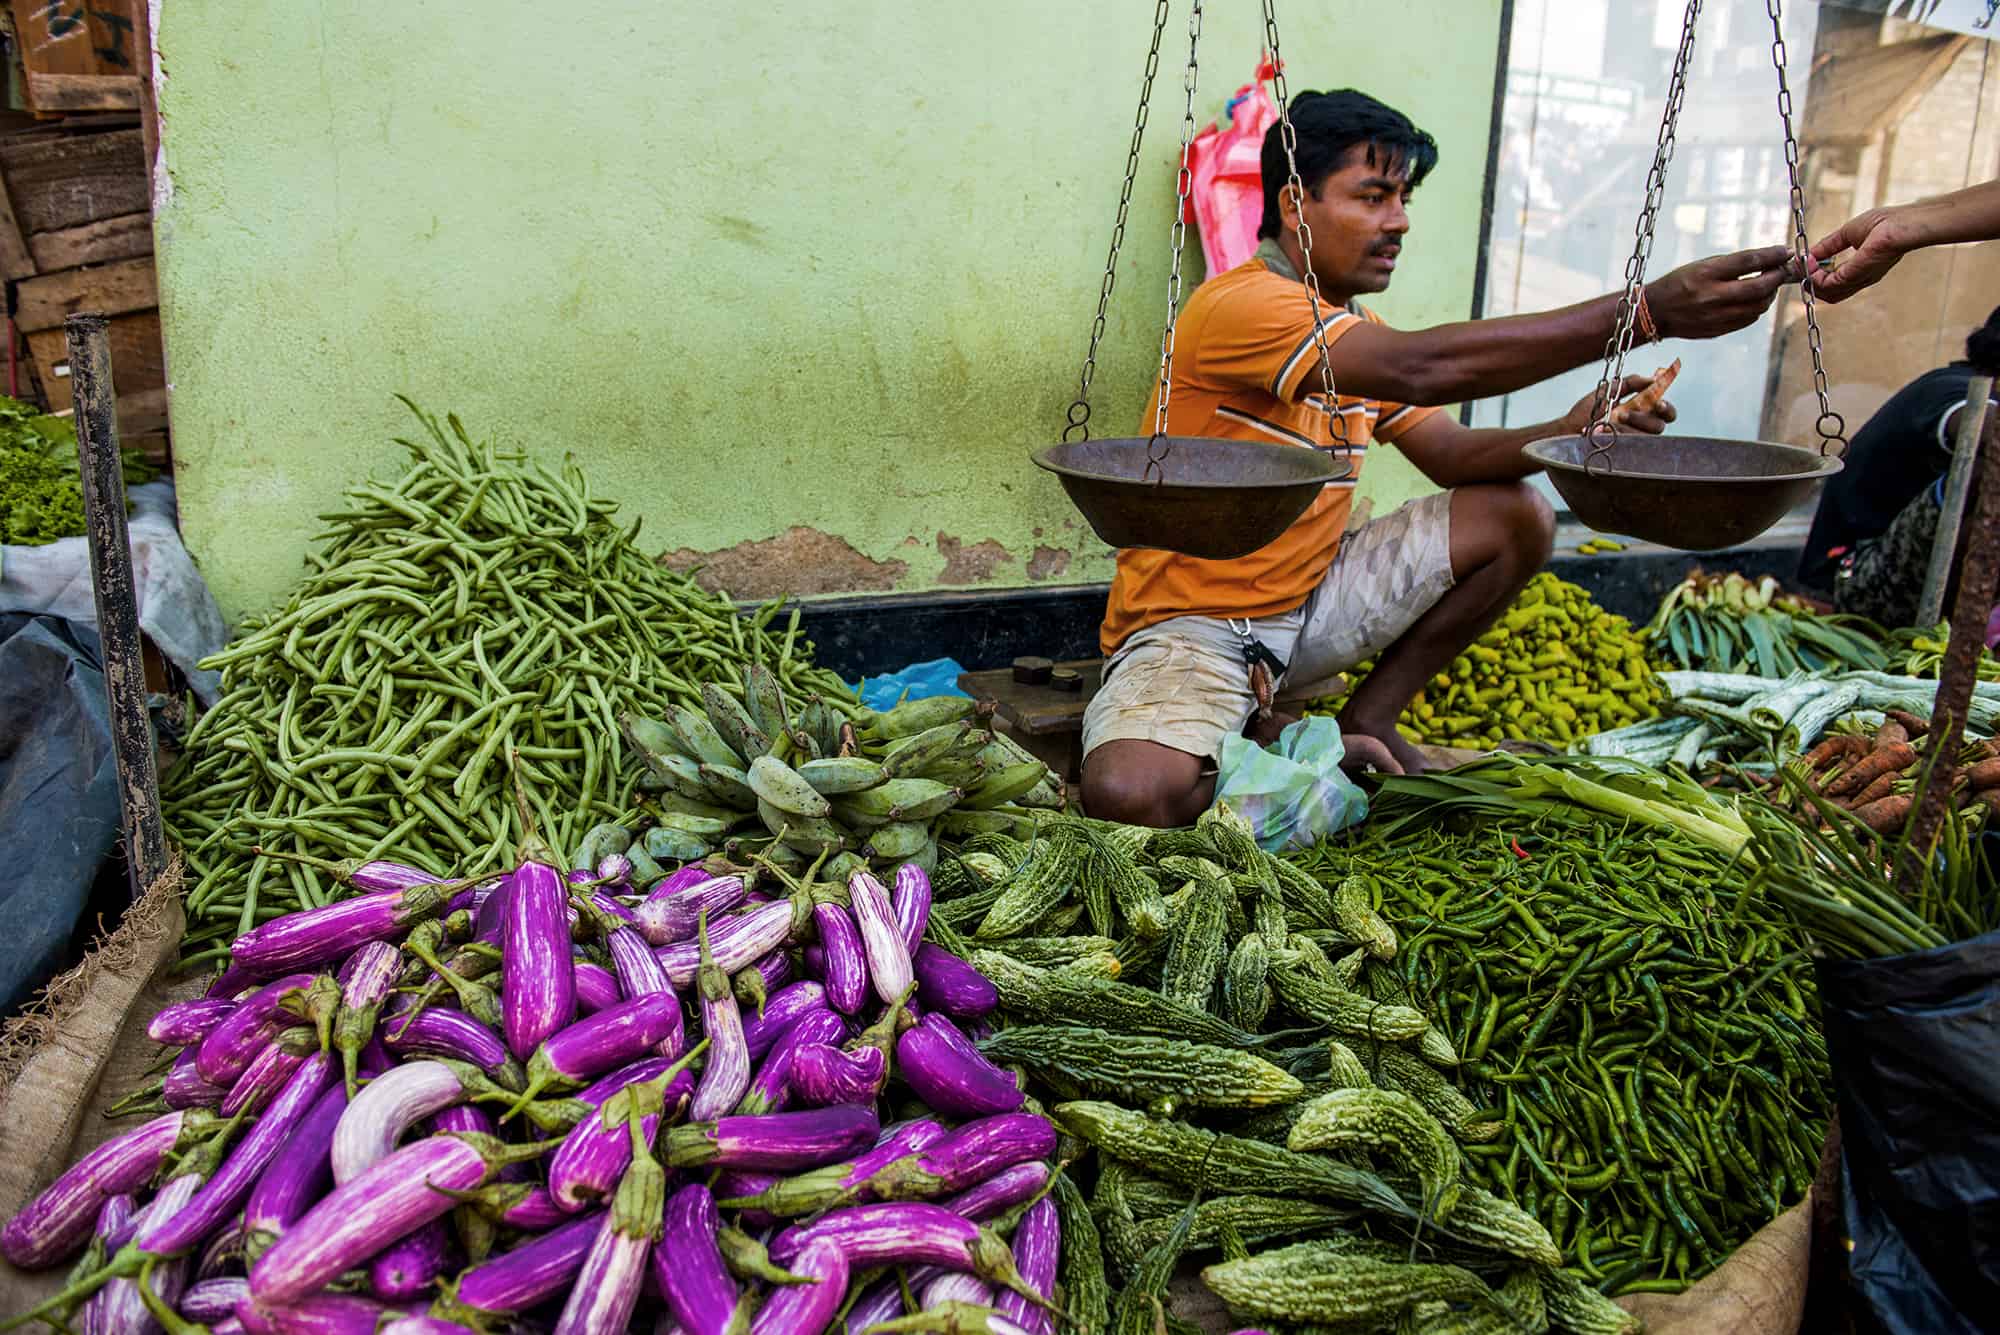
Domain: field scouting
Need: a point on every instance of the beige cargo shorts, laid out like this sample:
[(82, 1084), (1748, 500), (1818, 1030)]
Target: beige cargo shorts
[(1183, 683)]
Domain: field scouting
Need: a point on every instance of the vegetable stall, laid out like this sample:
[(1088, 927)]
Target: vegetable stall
[(565, 949)]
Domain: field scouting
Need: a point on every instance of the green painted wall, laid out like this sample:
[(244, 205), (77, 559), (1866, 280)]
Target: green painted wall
[(803, 283)]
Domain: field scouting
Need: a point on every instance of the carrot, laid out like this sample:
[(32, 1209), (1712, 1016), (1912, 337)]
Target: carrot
[(1984, 775), (1890, 734), (1832, 749), (1912, 725), (1883, 760), (1886, 815), (1881, 787)]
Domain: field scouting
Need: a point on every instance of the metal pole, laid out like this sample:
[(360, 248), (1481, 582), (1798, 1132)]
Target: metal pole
[(117, 598), (1958, 484)]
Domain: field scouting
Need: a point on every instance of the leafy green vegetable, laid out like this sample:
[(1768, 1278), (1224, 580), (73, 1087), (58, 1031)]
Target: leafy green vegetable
[(41, 494)]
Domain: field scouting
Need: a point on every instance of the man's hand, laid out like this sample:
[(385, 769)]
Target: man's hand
[(1364, 752), (1877, 239), (1718, 295), (1577, 420)]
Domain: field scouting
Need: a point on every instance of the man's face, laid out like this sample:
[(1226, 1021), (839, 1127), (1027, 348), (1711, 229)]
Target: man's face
[(1358, 218)]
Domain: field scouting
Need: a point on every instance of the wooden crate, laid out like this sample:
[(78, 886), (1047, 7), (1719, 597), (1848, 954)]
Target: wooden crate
[(81, 55)]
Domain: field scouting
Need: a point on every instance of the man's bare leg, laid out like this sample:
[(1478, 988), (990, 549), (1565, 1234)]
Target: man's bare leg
[(1145, 783), (1501, 533)]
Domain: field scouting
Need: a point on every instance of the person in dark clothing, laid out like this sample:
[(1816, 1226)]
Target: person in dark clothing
[(1871, 536)]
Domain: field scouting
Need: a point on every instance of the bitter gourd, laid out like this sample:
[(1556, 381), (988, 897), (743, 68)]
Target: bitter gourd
[(1385, 1122)]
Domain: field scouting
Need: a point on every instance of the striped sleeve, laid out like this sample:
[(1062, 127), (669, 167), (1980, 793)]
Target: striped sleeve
[(1260, 336), (1398, 418)]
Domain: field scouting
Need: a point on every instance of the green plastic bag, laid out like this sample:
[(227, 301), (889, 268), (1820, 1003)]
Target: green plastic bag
[(1292, 792)]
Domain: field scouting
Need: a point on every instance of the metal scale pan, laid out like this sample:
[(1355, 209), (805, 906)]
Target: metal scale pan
[(1698, 493), (1213, 499)]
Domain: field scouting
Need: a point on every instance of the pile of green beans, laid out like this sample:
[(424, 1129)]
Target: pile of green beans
[(479, 607), (1645, 1026)]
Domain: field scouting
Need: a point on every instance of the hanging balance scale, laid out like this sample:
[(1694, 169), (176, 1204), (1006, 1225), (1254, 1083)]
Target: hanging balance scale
[(1698, 493), (1211, 498), (1219, 499)]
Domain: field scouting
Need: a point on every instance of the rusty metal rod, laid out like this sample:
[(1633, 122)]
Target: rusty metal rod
[(117, 597), (1958, 484)]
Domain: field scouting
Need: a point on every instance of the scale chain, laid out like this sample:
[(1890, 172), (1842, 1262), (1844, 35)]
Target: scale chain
[(1158, 447), (1079, 410), (1336, 423), (1800, 241), (1602, 433)]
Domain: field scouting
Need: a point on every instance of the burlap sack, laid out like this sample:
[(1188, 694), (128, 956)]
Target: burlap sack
[(78, 1049)]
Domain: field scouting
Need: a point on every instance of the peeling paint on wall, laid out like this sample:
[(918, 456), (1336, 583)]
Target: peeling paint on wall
[(976, 564), (800, 560), (1048, 562)]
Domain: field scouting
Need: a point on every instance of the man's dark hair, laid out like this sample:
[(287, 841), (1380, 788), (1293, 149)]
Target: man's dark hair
[(1982, 346), (1327, 126)]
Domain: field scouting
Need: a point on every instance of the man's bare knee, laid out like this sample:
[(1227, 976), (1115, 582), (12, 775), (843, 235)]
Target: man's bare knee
[(1508, 524), (1156, 786)]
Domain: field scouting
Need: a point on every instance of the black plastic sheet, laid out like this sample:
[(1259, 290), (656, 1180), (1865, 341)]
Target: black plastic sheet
[(1914, 1041), (58, 793)]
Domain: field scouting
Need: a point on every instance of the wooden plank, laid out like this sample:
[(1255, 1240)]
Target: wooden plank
[(137, 355), (43, 302), (93, 243), (1036, 710), (15, 259), (67, 180), (83, 92), (77, 36)]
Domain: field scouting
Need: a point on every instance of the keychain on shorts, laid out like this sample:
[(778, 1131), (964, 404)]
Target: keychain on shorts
[(1264, 668)]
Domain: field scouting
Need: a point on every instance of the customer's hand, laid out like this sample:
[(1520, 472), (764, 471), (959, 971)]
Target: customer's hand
[(1718, 295), (1876, 240)]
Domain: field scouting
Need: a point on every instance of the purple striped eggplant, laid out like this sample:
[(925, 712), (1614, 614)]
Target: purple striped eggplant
[(771, 1088), (596, 987), (726, 1077), (823, 1075), (587, 1166), (842, 1184), (117, 1220), (970, 1154), (737, 941), (314, 1314), (265, 1076), (607, 1287), (688, 1266), (299, 1174), (615, 870), (882, 1301), (781, 1010), (639, 974), (744, 1182), (1002, 1191), (388, 1106), (235, 1042), (524, 1206), (57, 1222), (235, 983), (422, 1325), (224, 1252), (881, 938), (939, 1063), (367, 877), (538, 977), (318, 936), (365, 981), (187, 1022), (490, 918), (780, 1142), (911, 901), (410, 1265), (948, 984), (458, 1036), (809, 1306), (213, 1299), (904, 1233), (463, 1117), (517, 1280), (772, 972), (556, 1116), (183, 1086), (814, 958), (614, 1036), (941, 1287), (474, 997), (357, 1218), (121, 1305), (845, 968), (670, 912), (1037, 1246)]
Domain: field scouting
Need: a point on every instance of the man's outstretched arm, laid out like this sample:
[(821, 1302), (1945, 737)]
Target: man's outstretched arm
[(1451, 455), (1477, 359)]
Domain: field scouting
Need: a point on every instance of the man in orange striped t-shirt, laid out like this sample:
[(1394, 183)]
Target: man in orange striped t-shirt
[(1182, 636)]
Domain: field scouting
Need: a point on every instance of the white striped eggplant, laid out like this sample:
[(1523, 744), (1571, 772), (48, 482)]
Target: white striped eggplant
[(524, 1206), (117, 1218), (952, 1317), (823, 1075), (781, 1010), (358, 1218), (593, 1157), (938, 1062), (948, 984), (538, 977), (299, 1174), (235, 1042), (737, 941), (607, 1286), (365, 980), (881, 937), (422, 1325), (318, 936), (314, 1314), (687, 1265), (809, 1306), (670, 912), (267, 1074), (120, 1305), (726, 1076), (390, 1105), (603, 1042), (411, 1265), (474, 997), (187, 1022), (1000, 1192), (775, 1142), (940, 1288), (905, 1233), (456, 1035), (968, 1155), (639, 974), (615, 870), (771, 1088), (911, 900), (56, 1223), (843, 968), (521, 1278), (596, 987), (842, 1184), (183, 1086), (880, 1302), (555, 1116), (214, 1299)]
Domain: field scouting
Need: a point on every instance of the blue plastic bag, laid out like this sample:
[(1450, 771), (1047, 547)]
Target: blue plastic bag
[(1292, 793), (918, 681)]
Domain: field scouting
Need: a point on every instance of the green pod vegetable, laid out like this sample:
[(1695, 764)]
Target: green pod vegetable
[(1386, 1122), (1342, 1011), (1246, 983), (1308, 1282), (1199, 944), (1144, 1069)]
